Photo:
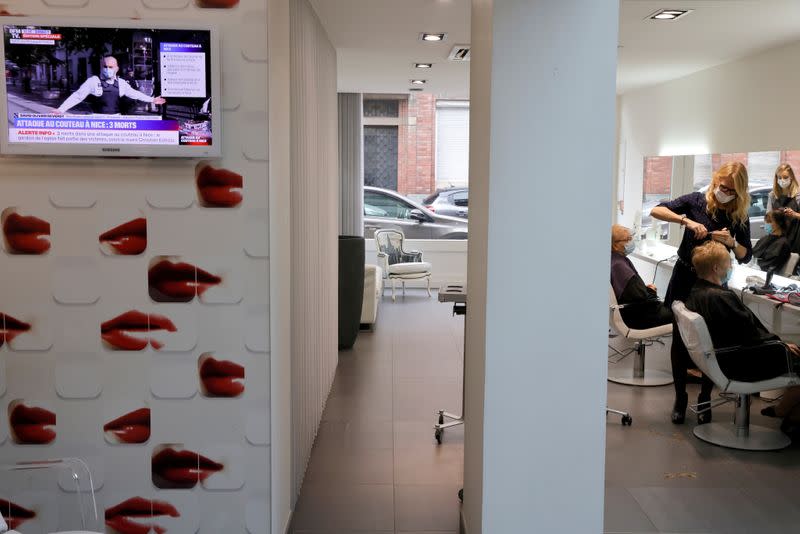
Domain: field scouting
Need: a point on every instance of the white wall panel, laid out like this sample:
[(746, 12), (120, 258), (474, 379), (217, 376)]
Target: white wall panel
[(314, 224), (64, 364)]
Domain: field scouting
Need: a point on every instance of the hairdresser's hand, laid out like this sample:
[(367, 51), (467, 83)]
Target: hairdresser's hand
[(794, 349), (789, 212), (700, 231), (724, 236), (651, 286)]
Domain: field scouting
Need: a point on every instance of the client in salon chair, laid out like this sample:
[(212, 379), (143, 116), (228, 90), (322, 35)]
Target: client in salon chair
[(642, 309), (732, 324), (772, 251)]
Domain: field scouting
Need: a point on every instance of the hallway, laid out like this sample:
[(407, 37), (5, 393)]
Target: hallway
[(375, 467)]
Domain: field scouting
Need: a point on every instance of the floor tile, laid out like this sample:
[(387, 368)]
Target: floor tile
[(351, 467), (419, 399), (347, 508), (420, 508), (623, 514), (429, 465)]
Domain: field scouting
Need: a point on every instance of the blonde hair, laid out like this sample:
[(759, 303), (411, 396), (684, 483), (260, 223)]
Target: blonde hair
[(793, 189), (707, 255), (741, 203)]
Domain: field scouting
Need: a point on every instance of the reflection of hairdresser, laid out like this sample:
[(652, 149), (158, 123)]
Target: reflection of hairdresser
[(772, 251), (103, 93), (642, 308)]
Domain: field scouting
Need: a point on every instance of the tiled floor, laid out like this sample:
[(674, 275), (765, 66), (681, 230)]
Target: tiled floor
[(375, 468)]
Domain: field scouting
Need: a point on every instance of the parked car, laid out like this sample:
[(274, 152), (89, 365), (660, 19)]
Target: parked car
[(757, 210), (453, 202), (385, 209)]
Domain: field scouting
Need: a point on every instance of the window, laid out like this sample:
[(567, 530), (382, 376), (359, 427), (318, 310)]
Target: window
[(758, 203), (760, 167), (461, 199), (656, 188), (378, 205), (381, 107)]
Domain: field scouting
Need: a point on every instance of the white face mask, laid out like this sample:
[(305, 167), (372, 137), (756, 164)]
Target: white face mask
[(723, 198), (630, 247), (784, 182)]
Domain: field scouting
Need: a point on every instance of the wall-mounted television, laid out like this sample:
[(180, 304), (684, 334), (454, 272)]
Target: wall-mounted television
[(109, 88)]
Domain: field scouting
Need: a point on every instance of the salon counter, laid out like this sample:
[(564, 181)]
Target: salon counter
[(655, 262)]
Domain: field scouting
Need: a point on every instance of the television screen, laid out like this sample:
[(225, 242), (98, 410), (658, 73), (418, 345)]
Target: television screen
[(109, 90)]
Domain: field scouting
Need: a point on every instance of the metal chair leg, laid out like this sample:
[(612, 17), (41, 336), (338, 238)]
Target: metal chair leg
[(428, 278), (404, 288), (393, 287), (627, 420)]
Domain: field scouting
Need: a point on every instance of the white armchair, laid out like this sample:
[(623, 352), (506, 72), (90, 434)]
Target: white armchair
[(399, 264), (741, 434), (373, 289), (641, 338)]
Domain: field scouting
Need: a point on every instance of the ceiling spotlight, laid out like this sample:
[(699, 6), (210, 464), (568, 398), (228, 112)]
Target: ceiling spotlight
[(669, 14), (418, 82), (423, 65), (433, 37)]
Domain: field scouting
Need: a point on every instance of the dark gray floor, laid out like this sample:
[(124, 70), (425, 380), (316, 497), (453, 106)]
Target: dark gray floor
[(376, 469)]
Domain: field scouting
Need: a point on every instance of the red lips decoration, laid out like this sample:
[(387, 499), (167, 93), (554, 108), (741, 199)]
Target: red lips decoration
[(170, 281), (127, 239), (116, 332), (25, 234), (218, 188), (181, 469), (220, 4), (31, 425), (14, 514), (10, 328), (123, 518), (220, 378), (133, 427)]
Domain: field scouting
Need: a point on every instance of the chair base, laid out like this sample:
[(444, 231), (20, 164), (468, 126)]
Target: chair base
[(627, 420), (651, 378), (759, 438)]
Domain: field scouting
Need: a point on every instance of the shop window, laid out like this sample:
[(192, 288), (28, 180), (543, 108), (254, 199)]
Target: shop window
[(381, 108), (656, 188)]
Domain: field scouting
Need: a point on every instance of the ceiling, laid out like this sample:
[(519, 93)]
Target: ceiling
[(716, 32), (377, 40)]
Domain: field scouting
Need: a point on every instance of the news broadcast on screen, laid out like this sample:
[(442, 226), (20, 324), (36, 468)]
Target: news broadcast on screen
[(110, 86)]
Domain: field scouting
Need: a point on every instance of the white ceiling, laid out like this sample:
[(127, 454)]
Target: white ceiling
[(377, 40), (716, 32)]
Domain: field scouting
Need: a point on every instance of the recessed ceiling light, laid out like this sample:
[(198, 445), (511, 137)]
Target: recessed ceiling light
[(433, 37), (418, 82), (669, 14), (423, 65)]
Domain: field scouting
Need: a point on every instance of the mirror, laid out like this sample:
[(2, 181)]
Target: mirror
[(417, 215)]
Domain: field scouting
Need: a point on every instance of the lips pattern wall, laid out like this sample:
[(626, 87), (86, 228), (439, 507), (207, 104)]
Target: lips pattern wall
[(133, 314), (24, 234)]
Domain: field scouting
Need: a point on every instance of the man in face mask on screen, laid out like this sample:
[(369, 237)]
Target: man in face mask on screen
[(642, 307), (103, 93)]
